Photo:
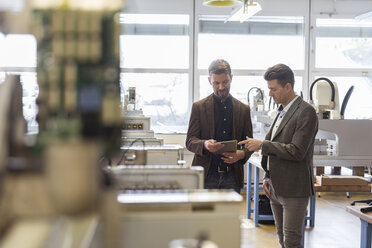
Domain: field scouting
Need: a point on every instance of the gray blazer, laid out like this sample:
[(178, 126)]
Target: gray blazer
[(291, 151), (201, 128)]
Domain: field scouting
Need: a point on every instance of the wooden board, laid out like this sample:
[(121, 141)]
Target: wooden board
[(326, 180), (342, 188), (355, 210)]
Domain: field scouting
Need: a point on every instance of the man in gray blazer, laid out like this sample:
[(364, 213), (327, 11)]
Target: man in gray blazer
[(287, 156), (219, 117)]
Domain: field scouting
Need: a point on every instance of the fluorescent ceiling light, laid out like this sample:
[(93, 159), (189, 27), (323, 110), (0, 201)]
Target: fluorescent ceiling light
[(247, 10), (365, 16), (222, 3)]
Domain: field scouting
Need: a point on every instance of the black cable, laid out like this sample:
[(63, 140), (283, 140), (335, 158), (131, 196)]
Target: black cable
[(366, 209), (346, 100), (125, 151), (258, 89), (328, 81)]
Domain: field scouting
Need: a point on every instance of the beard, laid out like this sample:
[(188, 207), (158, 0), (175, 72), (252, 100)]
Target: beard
[(223, 93)]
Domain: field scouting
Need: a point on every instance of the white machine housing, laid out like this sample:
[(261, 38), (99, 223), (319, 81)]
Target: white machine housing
[(139, 141), (351, 138), (157, 177), (323, 100), (145, 219)]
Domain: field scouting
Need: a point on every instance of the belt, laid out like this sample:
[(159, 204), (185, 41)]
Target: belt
[(224, 168)]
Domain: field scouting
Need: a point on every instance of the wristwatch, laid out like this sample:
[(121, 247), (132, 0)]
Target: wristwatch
[(261, 145)]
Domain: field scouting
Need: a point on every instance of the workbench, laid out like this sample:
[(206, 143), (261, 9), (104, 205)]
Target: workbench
[(254, 164), (366, 225), (343, 161)]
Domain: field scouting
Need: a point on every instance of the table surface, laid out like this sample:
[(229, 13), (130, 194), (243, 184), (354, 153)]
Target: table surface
[(355, 210), (321, 161), (350, 161)]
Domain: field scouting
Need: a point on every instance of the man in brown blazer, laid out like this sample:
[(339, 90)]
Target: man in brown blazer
[(219, 117), (288, 156)]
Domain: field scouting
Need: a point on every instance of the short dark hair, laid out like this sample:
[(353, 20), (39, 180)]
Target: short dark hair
[(219, 66), (282, 73)]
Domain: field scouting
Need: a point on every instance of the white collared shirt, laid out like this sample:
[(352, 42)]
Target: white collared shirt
[(281, 117)]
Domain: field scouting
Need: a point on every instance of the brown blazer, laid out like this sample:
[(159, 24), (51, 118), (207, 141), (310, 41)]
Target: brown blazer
[(201, 128), (291, 151)]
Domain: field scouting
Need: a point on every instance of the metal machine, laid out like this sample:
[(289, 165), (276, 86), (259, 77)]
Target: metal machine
[(326, 101), (339, 142), (152, 218), (258, 111), (78, 116), (139, 143), (161, 177)]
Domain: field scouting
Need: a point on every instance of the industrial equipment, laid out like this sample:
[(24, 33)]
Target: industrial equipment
[(332, 138), (347, 138), (326, 101), (165, 177), (139, 143), (153, 218), (79, 120), (257, 105), (339, 142)]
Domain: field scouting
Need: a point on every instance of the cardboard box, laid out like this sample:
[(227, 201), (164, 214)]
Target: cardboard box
[(341, 180)]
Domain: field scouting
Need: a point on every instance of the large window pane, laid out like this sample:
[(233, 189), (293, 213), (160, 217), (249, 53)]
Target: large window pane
[(17, 50), (163, 97), (152, 51), (242, 84), (343, 44), (155, 41), (256, 44)]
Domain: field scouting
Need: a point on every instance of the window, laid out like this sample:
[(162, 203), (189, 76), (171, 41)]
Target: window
[(155, 59), (162, 97), (343, 52), (17, 50), (343, 43), (148, 41), (257, 44), (250, 48), (18, 56)]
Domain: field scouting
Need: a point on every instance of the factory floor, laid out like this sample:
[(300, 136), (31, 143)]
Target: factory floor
[(334, 227)]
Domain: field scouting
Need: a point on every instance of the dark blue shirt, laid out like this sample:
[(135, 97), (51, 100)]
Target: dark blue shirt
[(223, 126), (223, 118)]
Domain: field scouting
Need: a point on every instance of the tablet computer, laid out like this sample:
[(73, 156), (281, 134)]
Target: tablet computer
[(230, 146)]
